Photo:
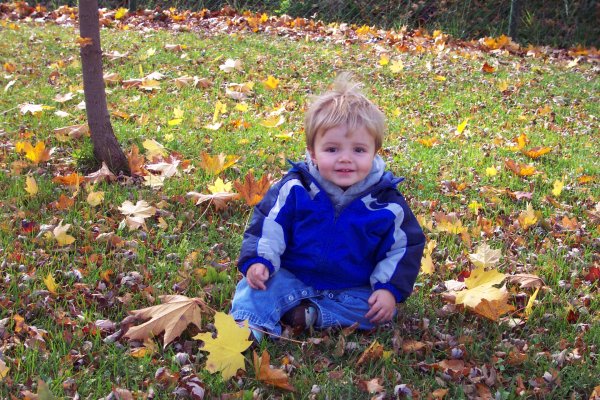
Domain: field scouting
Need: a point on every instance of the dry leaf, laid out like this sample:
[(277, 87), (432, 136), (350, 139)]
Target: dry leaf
[(225, 352), (61, 236), (520, 169), (526, 280), (72, 132), (31, 186), (50, 283), (103, 174), (485, 257), (172, 316), (251, 190), (268, 375), (372, 353), (216, 164)]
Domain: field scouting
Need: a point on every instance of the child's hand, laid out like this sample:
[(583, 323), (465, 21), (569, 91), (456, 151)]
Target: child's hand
[(383, 305), (257, 275)]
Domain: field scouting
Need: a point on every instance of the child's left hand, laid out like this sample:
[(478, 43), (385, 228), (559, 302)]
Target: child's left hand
[(383, 305)]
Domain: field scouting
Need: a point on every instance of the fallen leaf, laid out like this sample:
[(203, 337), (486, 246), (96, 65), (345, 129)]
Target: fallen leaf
[(135, 215), (371, 385), (220, 200), (270, 83), (537, 152), (372, 353), (72, 132), (95, 198), (270, 376), (154, 149), (520, 169), (50, 283), (529, 306), (31, 186), (231, 65), (485, 257), (557, 188), (493, 309), (526, 280), (172, 316), (225, 351), (61, 236), (528, 217), (3, 370), (73, 179), (216, 164), (251, 190), (103, 174)]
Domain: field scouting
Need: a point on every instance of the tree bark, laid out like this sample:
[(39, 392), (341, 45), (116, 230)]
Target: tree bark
[(105, 144), (513, 20)]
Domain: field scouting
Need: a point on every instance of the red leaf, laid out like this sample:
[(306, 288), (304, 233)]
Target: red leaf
[(593, 274)]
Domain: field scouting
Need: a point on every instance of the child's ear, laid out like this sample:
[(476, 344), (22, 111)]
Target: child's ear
[(312, 155)]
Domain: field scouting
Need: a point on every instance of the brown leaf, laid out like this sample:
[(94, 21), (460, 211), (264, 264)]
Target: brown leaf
[(537, 152), (371, 385), (493, 309), (172, 317), (63, 203), (251, 190), (271, 376), (73, 179), (526, 280), (372, 353), (520, 169), (72, 132)]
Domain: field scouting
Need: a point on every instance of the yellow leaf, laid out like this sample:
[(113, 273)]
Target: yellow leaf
[(528, 217), (427, 266), (225, 351), (243, 107), (271, 83), (558, 187), (439, 78), (153, 148), (36, 154), (503, 85), (121, 13), (529, 307), (461, 127), (95, 198), (3, 370), (220, 108), (475, 206), (472, 297), (178, 113), (174, 121), (481, 277), (31, 186), (220, 187), (491, 171), (484, 257), (50, 283), (61, 236), (216, 164), (396, 66), (384, 59), (273, 121)]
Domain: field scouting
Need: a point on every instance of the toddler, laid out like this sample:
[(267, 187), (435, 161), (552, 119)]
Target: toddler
[(333, 242)]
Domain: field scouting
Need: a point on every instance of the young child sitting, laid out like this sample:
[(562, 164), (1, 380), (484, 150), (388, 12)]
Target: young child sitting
[(334, 242)]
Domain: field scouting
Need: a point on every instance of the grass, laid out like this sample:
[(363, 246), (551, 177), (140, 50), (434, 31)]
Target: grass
[(553, 104)]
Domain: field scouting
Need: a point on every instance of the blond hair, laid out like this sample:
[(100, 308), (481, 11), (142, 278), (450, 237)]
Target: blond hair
[(344, 104)]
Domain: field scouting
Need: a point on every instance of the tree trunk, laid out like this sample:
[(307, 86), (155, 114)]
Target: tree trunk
[(513, 20), (106, 146)]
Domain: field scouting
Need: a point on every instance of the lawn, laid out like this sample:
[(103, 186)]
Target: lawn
[(498, 144)]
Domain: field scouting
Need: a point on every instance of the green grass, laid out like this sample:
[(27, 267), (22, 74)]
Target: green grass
[(102, 282)]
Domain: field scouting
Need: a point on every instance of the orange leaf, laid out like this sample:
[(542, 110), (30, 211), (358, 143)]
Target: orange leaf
[(252, 190), (73, 179), (63, 203), (493, 309), (268, 375), (520, 169), (487, 68), (84, 41), (136, 161), (537, 152)]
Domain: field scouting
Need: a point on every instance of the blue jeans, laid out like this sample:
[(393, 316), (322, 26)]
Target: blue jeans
[(263, 308)]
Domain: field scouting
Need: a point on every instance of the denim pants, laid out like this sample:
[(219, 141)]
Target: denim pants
[(263, 308)]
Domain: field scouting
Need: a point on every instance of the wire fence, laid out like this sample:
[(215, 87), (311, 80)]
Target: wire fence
[(563, 23)]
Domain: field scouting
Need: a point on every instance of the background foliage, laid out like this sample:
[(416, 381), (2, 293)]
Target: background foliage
[(562, 23)]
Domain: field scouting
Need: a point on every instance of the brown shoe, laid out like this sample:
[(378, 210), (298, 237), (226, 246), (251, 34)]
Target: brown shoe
[(301, 317)]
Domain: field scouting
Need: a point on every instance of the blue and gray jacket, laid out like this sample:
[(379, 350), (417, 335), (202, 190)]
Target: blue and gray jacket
[(374, 239)]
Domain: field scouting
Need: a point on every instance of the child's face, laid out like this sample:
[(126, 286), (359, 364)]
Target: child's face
[(344, 156)]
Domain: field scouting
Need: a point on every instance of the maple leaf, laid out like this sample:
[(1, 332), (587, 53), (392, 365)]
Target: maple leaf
[(272, 121), (371, 385), (271, 83), (216, 164), (95, 198), (36, 154), (271, 376), (396, 66), (72, 132), (485, 257), (103, 174), (172, 316), (557, 188), (461, 127), (526, 280), (220, 200), (61, 236), (537, 152), (520, 169), (373, 353), (494, 308), (73, 179), (487, 68), (427, 266), (135, 215), (33, 109), (136, 161), (225, 351), (166, 169), (528, 217), (220, 187), (154, 149), (251, 190), (231, 65), (31, 186)]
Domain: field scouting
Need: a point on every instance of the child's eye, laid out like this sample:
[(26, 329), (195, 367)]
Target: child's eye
[(359, 150), (330, 149)]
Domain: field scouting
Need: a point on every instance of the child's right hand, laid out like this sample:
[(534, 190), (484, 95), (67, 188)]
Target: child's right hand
[(257, 275)]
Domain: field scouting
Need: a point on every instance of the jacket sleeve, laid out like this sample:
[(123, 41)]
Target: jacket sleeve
[(400, 262), (267, 234)]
